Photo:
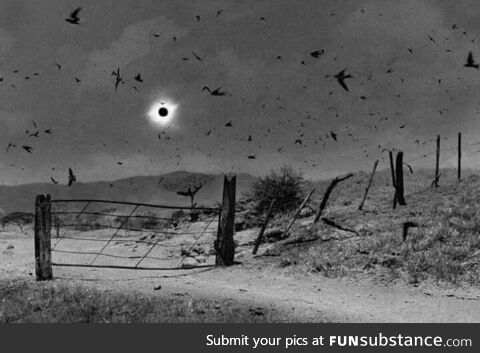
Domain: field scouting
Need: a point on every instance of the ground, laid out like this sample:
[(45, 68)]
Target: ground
[(318, 274)]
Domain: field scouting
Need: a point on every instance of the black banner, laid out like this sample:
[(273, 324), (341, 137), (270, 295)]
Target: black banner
[(241, 338)]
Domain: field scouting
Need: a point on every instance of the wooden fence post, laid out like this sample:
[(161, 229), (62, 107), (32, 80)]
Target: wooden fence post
[(370, 180), (399, 190), (43, 251), (459, 172), (297, 213), (262, 230), (329, 190), (392, 168), (437, 163), (224, 245)]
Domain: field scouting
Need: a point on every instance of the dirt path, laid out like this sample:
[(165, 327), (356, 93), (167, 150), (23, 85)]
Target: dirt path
[(309, 297)]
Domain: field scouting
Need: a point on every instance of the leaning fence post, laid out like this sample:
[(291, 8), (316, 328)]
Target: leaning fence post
[(459, 172), (437, 163), (297, 213), (224, 245), (329, 190), (399, 190), (262, 230), (370, 180), (43, 251)]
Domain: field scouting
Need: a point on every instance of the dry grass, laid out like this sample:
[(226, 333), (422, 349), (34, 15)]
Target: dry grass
[(50, 302), (445, 248)]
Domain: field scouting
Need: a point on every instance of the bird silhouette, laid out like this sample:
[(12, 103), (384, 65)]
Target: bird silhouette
[(317, 53), (74, 19), (29, 149), (71, 177), (48, 131), (138, 78), (53, 181), (334, 135), (10, 145), (229, 124), (341, 77), (196, 56), (118, 78), (252, 157), (471, 62), (216, 92)]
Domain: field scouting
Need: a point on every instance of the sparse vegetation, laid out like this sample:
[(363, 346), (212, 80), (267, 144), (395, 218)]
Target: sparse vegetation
[(19, 219), (284, 186), (445, 248), (50, 302)]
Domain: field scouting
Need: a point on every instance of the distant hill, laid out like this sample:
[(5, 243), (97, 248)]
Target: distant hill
[(146, 189)]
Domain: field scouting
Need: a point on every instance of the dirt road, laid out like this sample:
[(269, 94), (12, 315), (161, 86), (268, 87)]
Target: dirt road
[(306, 297)]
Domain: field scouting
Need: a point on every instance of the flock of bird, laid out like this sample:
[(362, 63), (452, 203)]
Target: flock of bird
[(342, 78)]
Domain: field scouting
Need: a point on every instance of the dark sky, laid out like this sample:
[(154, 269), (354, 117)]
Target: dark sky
[(396, 51)]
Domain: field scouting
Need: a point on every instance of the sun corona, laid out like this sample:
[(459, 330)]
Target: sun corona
[(162, 112)]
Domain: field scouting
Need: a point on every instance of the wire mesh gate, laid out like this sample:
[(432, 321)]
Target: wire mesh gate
[(131, 235), (102, 233)]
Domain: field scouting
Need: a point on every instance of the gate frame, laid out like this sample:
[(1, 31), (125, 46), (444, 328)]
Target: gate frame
[(223, 245)]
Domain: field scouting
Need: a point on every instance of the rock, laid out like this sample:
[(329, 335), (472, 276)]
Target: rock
[(306, 212), (273, 234), (189, 262), (201, 259), (199, 250)]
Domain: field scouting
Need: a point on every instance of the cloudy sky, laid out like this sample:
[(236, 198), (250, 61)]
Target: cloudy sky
[(283, 106)]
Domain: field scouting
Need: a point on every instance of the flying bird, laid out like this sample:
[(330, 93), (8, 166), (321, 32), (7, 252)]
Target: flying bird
[(471, 62), (341, 77), (216, 92), (53, 181), (252, 157), (71, 177), (27, 148), (59, 67), (48, 131), (118, 78), (74, 19), (317, 53), (334, 135), (196, 56), (138, 78), (229, 124), (10, 145)]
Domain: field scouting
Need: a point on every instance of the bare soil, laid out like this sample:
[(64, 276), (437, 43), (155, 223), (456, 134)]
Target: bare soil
[(259, 283)]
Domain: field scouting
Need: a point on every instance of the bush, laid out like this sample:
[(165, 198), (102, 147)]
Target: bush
[(284, 186)]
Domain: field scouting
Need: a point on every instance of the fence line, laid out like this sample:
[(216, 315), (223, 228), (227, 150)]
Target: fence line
[(139, 204)]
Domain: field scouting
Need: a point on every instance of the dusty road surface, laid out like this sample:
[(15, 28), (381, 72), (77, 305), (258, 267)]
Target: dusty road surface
[(306, 297)]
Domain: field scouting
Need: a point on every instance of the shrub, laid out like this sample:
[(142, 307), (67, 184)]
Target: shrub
[(284, 186)]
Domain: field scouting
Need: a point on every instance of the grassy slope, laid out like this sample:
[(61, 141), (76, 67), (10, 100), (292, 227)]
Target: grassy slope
[(445, 248)]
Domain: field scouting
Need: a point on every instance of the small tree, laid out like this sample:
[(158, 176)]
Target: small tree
[(20, 219), (284, 186)]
